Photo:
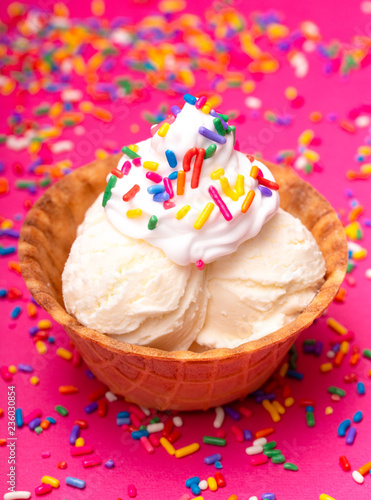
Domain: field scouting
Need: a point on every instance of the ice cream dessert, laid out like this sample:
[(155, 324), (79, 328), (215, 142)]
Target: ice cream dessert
[(187, 247)]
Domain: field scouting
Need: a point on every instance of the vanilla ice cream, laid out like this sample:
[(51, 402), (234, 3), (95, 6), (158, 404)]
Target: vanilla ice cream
[(187, 247)]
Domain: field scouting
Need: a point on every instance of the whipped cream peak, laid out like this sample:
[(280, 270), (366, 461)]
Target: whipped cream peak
[(186, 189)]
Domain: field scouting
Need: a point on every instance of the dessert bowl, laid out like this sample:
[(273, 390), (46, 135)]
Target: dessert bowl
[(179, 380)]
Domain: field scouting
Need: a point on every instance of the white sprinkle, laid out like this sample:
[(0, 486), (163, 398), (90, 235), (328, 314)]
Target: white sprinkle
[(177, 421), (110, 396), (253, 102), (366, 7), (357, 476), (121, 37), (330, 354), (71, 95), (300, 64), (203, 485), (67, 66), (219, 418), (260, 441), (62, 146), (253, 498), (17, 143), (368, 274), (309, 46), (145, 410), (362, 121), (301, 162), (354, 247), (158, 427), (310, 29), (254, 450), (17, 495), (79, 130)]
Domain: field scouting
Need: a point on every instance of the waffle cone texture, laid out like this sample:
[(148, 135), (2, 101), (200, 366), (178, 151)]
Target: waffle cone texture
[(179, 380)]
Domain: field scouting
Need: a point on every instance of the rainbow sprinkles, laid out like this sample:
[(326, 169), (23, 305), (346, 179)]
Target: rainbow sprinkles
[(187, 189)]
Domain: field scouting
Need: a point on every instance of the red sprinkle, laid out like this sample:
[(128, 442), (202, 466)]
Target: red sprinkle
[(174, 436), (99, 393), (131, 193), (197, 168), (267, 183), (188, 158), (344, 463), (220, 481), (117, 173), (102, 407), (82, 424)]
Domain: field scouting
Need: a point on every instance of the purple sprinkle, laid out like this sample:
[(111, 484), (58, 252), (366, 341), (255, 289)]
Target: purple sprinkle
[(109, 464), (75, 433), (211, 459), (209, 134), (91, 407), (89, 374), (123, 421), (232, 413), (25, 368), (247, 435), (308, 348), (271, 397), (34, 423), (175, 110), (318, 347), (160, 197), (265, 191), (351, 435)]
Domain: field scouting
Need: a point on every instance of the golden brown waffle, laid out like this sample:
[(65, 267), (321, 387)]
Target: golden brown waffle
[(180, 380)]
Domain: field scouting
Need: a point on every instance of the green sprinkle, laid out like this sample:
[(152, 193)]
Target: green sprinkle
[(309, 342), (279, 459), (61, 410), (367, 353), (310, 419), (130, 153), (24, 184), (155, 420), (230, 129), (269, 445), (290, 466), (152, 223), (38, 429), (213, 440), (210, 151), (142, 427), (108, 191), (350, 267), (2, 138), (218, 126), (45, 182), (224, 117), (272, 453), (336, 390)]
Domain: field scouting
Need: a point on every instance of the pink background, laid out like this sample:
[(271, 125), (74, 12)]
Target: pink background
[(316, 451)]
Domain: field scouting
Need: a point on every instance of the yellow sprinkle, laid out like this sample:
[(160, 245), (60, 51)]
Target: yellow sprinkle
[(163, 130), (289, 402), (101, 154), (34, 380), (329, 410), (217, 174), (136, 212), (283, 370), (291, 93), (50, 480), (311, 155), (324, 496), (326, 367), (306, 137), (360, 254), (187, 450), (240, 185), (56, 110), (344, 347), (79, 442), (150, 165), (86, 106), (12, 369), (336, 326), (182, 212), (41, 347), (64, 353), (205, 214), (134, 148), (281, 410), (95, 61), (211, 481), (44, 324), (168, 446), (227, 190), (98, 7), (248, 86), (271, 410), (364, 151), (206, 109)]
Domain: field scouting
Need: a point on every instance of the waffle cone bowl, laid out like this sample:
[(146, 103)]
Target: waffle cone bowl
[(179, 380)]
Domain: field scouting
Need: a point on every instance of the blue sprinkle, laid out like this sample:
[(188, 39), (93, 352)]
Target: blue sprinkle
[(91, 407), (123, 414), (358, 416), (7, 250), (361, 389), (218, 465), (192, 480), (76, 483), (211, 459), (343, 427), (173, 175), (109, 464), (157, 188), (265, 191), (175, 110), (19, 417), (75, 433), (3, 293), (51, 340), (247, 435), (25, 368), (232, 413), (351, 436), (171, 158), (196, 490), (139, 434), (309, 408), (51, 420), (160, 197), (190, 98), (294, 374), (16, 312)]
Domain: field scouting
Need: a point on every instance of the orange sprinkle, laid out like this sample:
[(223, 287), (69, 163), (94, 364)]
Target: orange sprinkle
[(68, 389), (340, 296), (355, 213), (254, 172), (45, 424), (247, 201), (180, 183), (264, 432), (14, 266), (31, 310)]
